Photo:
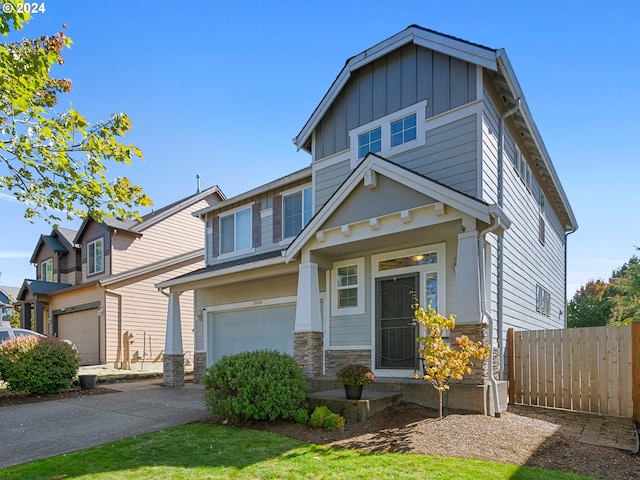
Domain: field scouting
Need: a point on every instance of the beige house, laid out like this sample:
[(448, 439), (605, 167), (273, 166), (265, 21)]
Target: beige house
[(95, 286)]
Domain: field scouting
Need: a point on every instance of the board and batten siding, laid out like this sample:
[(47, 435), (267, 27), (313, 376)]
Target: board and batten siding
[(402, 78), (526, 261)]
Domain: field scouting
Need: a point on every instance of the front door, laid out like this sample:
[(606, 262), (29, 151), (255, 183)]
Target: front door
[(396, 346)]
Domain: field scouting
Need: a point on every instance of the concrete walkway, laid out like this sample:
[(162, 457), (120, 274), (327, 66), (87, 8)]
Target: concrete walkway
[(39, 430)]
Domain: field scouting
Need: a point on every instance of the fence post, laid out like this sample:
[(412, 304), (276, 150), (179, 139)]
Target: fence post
[(512, 370), (635, 370)]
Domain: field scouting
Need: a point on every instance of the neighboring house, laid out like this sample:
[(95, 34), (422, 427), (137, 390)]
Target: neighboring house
[(427, 175), (8, 295), (95, 286)]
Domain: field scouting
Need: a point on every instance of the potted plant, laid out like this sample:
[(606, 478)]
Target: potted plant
[(354, 377)]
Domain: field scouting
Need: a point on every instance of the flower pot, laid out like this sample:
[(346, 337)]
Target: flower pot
[(354, 392), (87, 381)]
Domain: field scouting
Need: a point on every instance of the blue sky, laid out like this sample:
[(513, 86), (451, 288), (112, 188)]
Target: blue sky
[(212, 86)]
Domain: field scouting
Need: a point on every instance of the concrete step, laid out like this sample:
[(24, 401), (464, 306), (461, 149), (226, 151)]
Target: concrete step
[(371, 402)]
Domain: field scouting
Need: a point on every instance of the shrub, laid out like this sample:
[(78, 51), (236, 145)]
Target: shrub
[(38, 365), (301, 416), (322, 417), (258, 385)]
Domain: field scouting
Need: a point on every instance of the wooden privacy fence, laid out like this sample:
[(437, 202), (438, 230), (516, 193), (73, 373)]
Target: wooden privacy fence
[(583, 369)]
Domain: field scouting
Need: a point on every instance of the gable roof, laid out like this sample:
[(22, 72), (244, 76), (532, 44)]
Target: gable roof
[(38, 287), (60, 241), (410, 179), (137, 227), (503, 77)]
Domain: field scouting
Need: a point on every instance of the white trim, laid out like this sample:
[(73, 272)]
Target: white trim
[(235, 252), (287, 193), (330, 161), (359, 309), (257, 303), (384, 123)]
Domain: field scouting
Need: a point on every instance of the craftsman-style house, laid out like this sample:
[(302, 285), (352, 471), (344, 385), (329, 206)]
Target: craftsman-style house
[(95, 286), (427, 175)]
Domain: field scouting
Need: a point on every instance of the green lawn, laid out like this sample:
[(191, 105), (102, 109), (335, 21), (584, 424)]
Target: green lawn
[(205, 451)]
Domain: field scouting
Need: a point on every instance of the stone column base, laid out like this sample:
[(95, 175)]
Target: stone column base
[(199, 366), (173, 372), (477, 332), (307, 351)]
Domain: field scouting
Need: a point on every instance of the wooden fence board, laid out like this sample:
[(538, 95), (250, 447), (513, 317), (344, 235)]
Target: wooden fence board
[(584, 369)]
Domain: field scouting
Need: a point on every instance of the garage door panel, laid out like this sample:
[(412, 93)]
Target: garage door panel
[(236, 331), (82, 329)]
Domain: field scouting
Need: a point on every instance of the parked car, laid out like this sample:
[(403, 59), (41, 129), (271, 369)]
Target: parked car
[(8, 333)]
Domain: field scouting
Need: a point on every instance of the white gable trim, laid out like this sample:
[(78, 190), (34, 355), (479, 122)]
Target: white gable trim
[(427, 39), (443, 195)]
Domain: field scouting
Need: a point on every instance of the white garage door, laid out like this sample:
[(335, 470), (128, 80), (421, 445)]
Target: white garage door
[(260, 328), (82, 329)]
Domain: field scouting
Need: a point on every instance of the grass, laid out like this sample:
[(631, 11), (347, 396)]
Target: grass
[(205, 451)]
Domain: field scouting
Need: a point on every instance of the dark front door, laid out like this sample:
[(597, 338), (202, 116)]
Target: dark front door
[(396, 345)]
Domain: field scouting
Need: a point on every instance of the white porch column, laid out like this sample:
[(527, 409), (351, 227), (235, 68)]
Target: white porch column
[(308, 304), (467, 309), (173, 360), (173, 339)]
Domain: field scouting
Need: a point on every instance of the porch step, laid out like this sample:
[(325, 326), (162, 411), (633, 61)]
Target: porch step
[(371, 402)]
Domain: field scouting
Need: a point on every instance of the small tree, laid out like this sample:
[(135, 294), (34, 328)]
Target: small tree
[(441, 361)]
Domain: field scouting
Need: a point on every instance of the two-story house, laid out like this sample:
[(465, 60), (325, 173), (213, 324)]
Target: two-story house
[(95, 286), (428, 176)]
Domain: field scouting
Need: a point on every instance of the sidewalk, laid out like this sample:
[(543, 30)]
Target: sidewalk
[(39, 430)]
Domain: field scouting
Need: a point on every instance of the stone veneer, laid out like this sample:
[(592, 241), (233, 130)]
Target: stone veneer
[(336, 359), (199, 366), (173, 374), (479, 368), (307, 351)]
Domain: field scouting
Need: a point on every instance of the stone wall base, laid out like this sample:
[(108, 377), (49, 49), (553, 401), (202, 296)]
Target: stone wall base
[(479, 368), (307, 351), (336, 359), (199, 366), (173, 371)]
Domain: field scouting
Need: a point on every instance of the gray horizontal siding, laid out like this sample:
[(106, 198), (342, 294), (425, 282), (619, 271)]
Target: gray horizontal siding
[(402, 78), (449, 156)]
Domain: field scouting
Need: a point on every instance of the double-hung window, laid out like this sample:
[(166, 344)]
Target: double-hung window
[(235, 231), (46, 270), (296, 209), (543, 301), (403, 130), (348, 287), (95, 256), (370, 141)]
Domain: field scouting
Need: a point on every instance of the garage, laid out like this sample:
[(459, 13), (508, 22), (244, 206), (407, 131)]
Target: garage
[(233, 331), (82, 329)]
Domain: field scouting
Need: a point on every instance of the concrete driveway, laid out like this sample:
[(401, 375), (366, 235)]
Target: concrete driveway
[(39, 430)]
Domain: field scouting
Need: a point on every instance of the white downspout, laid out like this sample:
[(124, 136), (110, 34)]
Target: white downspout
[(484, 312)]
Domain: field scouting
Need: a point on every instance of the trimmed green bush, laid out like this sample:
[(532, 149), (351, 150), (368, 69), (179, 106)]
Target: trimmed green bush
[(322, 417), (258, 385), (38, 365), (301, 416)]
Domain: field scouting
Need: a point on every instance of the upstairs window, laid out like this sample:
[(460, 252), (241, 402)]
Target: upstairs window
[(543, 301), (235, 231), (403, 130), (46, 270), (370, 141), (95, 257), (296, 212)]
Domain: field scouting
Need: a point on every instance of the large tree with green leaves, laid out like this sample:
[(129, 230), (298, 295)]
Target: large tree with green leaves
[(55, 161), (625, 293), (590, 306)]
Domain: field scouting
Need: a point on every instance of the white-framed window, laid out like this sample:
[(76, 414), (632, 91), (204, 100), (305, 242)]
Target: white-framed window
[(95, 256), (401, 131), (347, 287), (235, 231), (370, 141), (543, 301), (46, 270), (297, 210)]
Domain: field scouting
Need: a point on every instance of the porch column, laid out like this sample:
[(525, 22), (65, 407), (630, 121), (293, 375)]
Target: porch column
[(39, 317), (25, 316), (467, 309), (173, 375), (308, 337)]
